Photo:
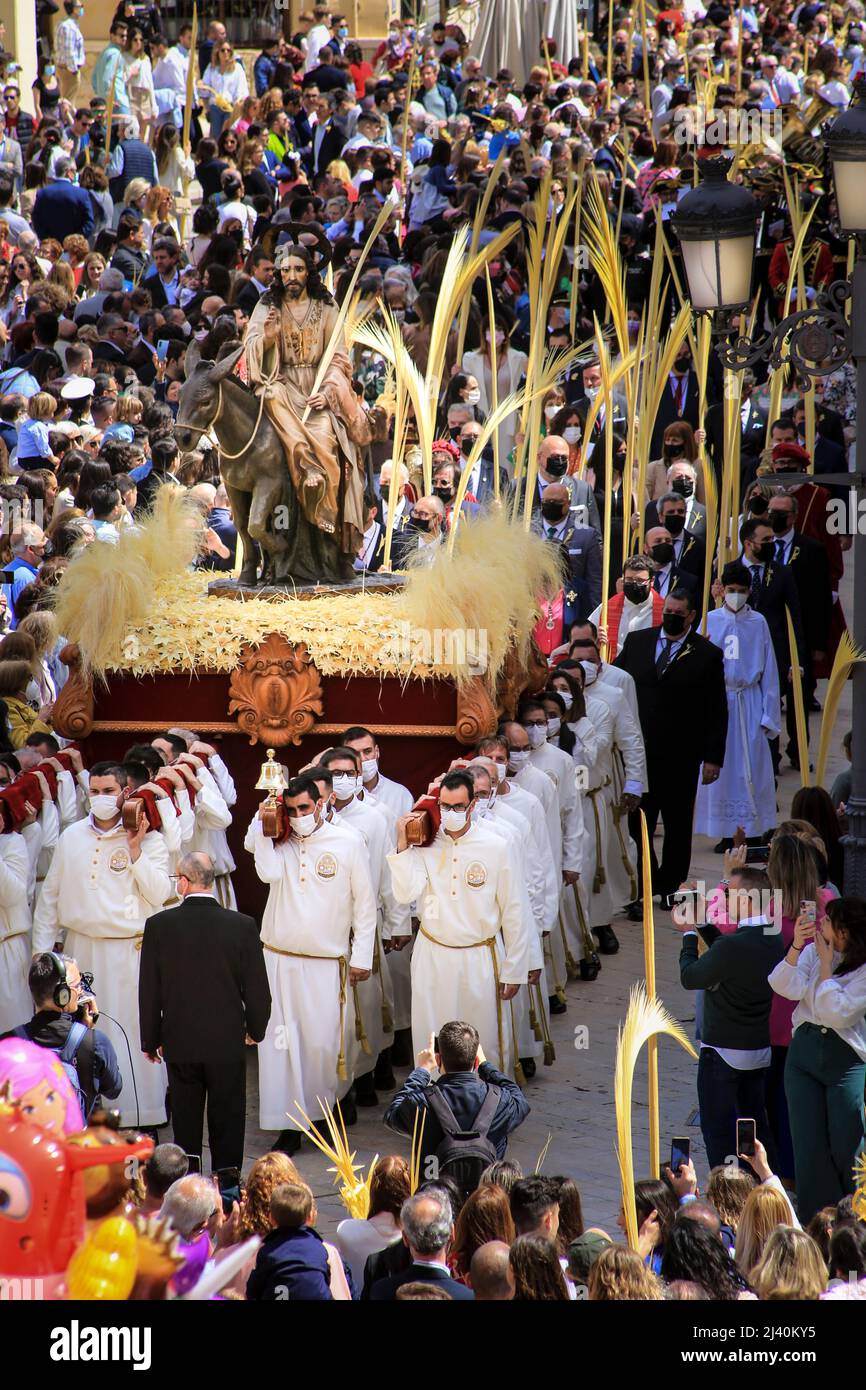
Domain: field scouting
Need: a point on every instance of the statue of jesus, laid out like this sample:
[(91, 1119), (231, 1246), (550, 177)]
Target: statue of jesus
[(285, 342)]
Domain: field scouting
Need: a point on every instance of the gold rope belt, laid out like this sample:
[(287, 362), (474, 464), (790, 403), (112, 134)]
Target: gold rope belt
[(600, 877), (490, 943), (387, 1016), (12, 935), (342, 1071), (137, 939)]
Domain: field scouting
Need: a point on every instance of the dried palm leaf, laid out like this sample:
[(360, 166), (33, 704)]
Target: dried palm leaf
[(799, 703), (847, 657)]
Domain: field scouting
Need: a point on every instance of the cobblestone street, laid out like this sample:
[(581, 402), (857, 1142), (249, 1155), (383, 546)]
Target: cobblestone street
[(573, 1100)]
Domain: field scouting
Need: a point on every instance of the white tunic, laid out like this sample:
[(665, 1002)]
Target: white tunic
[(471, 917), (374, 996), (321, 909), (745, 793), (392, 794), (622, 854), (531, 779), (599, 848), (16, 1005), (634, 618), (101, 899), (560, 767), (395, 800)]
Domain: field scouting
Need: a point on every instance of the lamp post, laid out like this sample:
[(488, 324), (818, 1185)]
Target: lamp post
[(716, 224)]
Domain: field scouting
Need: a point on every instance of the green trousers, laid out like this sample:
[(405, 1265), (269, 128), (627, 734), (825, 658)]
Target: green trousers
[(824, 1080)]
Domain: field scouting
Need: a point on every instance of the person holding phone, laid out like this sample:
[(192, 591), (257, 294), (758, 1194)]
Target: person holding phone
[(824, 971), (735, 1033)]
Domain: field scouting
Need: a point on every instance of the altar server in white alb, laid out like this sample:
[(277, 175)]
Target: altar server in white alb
[(473, 948), (395, 800), (15, 874), (318, 931), (744, 794), (221, 855), (103, 884)]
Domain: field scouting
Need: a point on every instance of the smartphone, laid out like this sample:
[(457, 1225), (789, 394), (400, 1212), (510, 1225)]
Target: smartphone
[(808, 908), (757, 854), (746, 1138), (162, 349), (194, 1162), (228, 1177), (681, 1152)]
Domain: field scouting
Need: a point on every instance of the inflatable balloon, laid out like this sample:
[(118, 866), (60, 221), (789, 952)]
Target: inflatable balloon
[(38, 1082), (105, 1265), (42, 1205)]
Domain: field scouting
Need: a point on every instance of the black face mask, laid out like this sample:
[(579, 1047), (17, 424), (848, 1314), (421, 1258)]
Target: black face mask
[(445, 494), (556, 465), (421, 523), (682, 364), (663, 553), (758, 504), (780, 521), (675, 524), (766, 552), (634, 590), (454, 431), (674, 624), (672, 451), (684, 486), (553, 511)]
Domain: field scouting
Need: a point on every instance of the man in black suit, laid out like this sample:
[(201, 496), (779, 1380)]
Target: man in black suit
[(580, 548), (260, 268), (427, 1223), (202, 994), (808, 563), (683, 709), (659, 545), (772, 590), (680, 399), (753, 434), (481, 480)]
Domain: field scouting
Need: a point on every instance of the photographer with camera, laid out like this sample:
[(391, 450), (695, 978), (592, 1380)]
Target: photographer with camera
[(65, 1018)]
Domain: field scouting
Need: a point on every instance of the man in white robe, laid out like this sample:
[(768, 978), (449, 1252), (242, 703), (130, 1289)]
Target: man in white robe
[(396, 800), (103, 884), (16, 1005), (318, 931), (473, 948), (744, 795), (221, 855)]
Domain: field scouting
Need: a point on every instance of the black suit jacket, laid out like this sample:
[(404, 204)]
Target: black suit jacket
[(667, 412), (248, 298), (202, 982), (684, 712), (810, 567), (385, 1289), (777, 591)]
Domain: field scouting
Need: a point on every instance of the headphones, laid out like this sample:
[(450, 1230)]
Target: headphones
[(62, 993)]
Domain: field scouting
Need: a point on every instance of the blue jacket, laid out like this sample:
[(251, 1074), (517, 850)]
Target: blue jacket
[(384, 1290), (263, 72), (464, 1092), (61, 210), (291, 1265)]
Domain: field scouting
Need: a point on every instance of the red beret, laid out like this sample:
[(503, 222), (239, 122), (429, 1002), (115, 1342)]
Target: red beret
[(793, 452)]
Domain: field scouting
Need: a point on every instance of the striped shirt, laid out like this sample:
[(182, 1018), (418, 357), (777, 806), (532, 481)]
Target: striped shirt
[(69, 46)]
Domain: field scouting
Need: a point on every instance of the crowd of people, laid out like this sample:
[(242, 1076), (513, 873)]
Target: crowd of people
[(157, 221)]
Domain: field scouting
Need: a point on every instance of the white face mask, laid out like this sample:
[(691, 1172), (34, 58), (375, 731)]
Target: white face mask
[(553, 727), (566, 697), (591, 392), (453, 818), (571, 434), (483, 807), (518, 759), (104, 806), (551, 411), (303, 825), (472, 397), (345, 785), (590, 671), (369, 769), (736, 601), (537, 735), (500, 771)]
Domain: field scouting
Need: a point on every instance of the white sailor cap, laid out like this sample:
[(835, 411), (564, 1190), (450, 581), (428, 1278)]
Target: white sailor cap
[(77, 388)]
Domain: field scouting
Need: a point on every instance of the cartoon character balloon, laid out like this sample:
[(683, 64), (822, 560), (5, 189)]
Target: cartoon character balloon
[(42, 1204), (38, 1082)]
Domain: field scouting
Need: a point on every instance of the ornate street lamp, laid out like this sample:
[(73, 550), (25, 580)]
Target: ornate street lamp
[(716, 224)]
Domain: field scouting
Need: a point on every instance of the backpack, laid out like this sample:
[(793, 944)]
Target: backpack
[(463, 1154), (66, 1056)]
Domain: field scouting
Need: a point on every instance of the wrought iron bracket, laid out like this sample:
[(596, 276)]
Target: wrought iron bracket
[(815, 340)]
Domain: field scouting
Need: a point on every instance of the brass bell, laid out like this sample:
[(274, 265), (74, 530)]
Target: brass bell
[(271, 778)]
